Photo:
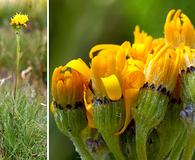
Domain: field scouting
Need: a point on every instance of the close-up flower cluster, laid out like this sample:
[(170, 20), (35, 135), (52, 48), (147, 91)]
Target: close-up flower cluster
[(19, 20), (134, 100)]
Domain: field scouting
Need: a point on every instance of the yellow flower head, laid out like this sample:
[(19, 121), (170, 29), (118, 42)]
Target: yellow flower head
[(162, 67), (178, 29), (107, 68), (19, 20), (142, 45), (113, 75), (67, 87)]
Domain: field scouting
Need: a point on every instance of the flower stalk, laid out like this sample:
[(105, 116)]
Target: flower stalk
[(171, 130), (149, 112), (17, 32), (18, 21), (71, 123), (108, 119)]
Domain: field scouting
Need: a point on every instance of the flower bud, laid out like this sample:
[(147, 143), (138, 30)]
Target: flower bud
[(67, 87), (178, 29)]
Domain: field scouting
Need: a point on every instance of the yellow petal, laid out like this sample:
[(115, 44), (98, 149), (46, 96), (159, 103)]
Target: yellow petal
[(101, 47), (130, 97), (112, 87), (80, 66), (133, 76), (61, 93), (88, 107), (127, 47)]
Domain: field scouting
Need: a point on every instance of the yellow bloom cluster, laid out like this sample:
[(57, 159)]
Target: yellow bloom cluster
[(119, 71), (19, 20)]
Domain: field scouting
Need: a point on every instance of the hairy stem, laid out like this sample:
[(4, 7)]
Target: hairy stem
[(17, 61), (81, 148), (141, 139), (113, 142), (189, 148)]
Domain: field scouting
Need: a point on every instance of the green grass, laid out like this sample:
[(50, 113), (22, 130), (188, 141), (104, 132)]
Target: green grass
[(23, 129)]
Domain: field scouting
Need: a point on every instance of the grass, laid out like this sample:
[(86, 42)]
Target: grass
[(22, 125)]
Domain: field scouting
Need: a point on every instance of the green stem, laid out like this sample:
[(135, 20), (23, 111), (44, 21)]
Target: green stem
[(148, 113), (100, 151), (108, 120), (81, 148), (113, 143), (17, 61), (141, 139), (190, 147), (178, 147)]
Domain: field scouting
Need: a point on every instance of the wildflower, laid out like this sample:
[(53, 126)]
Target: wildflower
[(68, 107), (187, 72), (19, 20), (106, 70), (106, 80), (67, 87), (178, 29), (161, 71), (114, 76), (115, 82)]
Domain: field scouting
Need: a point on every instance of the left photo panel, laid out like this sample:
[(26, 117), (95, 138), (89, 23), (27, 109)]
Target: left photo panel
[(23, 79)]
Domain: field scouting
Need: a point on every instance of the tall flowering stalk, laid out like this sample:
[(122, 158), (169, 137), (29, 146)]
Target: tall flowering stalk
[(18, 21), (138, 98)]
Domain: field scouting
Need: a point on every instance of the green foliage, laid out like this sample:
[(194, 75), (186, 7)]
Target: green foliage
[(23, 131)]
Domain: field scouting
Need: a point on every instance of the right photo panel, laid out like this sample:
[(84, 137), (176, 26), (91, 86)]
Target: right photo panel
[(121, 80)]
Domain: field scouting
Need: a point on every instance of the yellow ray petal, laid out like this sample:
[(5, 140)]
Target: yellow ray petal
[(127, 47), (81, 67), (101, 47), (130, 96), (88, 107), (112, 87)]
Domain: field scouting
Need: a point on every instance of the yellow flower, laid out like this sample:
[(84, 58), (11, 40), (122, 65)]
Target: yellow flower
[(106, 69), (178, 29), (19, 20), (67, 87), (114, 76), (142, 45), (162, 67)]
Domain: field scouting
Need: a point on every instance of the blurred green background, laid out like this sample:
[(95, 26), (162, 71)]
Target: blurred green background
[(76, 26)]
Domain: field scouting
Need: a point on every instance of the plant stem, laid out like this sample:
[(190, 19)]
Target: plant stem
[(113, 142), (81, 148), (148, 113), (141, 139), (17, 31), (108, 120), (190, 147), (178, 147)]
